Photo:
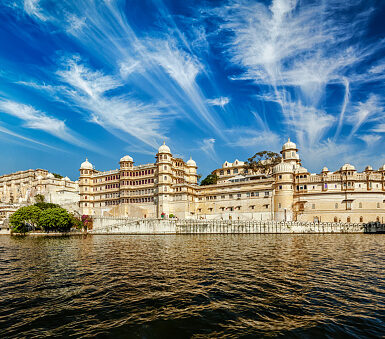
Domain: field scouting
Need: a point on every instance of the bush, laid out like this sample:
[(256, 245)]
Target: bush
[(55, 219), (25, 218)]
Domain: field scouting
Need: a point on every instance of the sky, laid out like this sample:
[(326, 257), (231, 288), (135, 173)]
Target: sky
[(215, 80)]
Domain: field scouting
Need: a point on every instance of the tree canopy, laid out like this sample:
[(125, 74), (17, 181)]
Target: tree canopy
[(263, 162), (25, 218), (55, 219), (211, 179), (46, 205), (50, 217)]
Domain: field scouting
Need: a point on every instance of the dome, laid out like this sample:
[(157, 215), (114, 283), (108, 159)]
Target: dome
[(126, 158), (50, 176), (289, 145), (325, 169), (67, 179), (382, 168), (348, 167), (283, 167), (86, 165), (369, 168), (191, 162), (164, 149)]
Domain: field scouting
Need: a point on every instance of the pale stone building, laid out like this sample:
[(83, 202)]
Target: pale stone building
[(169, 187), (20, 188)]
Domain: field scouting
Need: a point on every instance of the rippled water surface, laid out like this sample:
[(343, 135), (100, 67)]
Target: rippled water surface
[(193, 286)]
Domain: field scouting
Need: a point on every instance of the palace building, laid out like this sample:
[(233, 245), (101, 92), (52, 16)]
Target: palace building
[(20, 188), (169, 187)]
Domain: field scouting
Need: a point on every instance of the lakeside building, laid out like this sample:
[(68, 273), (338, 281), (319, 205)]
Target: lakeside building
[(169, 187), (20, 188)]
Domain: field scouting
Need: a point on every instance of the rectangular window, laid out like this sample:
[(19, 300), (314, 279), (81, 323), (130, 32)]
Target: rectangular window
[(267, 194)]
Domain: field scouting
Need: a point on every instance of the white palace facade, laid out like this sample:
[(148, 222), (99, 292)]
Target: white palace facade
[(168, 188), (20, 189)]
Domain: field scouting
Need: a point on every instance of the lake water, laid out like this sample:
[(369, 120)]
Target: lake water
[(302, 285)]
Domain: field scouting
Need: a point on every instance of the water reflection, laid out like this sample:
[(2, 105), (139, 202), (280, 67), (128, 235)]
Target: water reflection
[(198, 285)]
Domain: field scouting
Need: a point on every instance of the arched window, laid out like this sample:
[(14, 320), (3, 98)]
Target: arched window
[(361, 219), (348, 219), (335, 219), (378, 219)]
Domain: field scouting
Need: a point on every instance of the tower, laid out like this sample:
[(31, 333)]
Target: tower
[(85, 181), (192, 171), (284, 182), (164, 166)]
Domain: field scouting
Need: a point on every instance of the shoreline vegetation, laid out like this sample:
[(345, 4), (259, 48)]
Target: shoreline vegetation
[(47, 218)]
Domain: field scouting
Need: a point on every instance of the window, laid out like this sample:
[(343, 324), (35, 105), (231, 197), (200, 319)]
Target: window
[(235, 170), (360, 205), (165, 167), (279, 205), (165, 177), (252, 207), (378, 205), (228, 171), (336, 205), (361, 219), (230, 196), (335, 219), (348, 205), (313, 206), (221, 172), (348, 219), (280, 187), (267, 194), (239, 195), (280, 177), (223, 196), (248, 194)]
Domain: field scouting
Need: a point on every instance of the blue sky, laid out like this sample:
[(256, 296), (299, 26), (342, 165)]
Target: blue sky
[(217, 80)]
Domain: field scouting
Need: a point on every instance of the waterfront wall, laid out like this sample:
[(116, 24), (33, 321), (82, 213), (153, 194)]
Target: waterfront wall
[(119, 225)]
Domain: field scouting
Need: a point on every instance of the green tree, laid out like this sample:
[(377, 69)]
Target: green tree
[(45, 205), (211, 179), (39, 198), (25, 218), (55, 219), (263, 162), (57, 176)]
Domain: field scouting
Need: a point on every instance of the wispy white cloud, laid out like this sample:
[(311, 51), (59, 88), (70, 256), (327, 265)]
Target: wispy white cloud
[(370, 139), (33, 9), (22, 137), (257, 140), (364, 112), (35, 119), (221, 101), (38, 120), (91, 91), (207, 146)]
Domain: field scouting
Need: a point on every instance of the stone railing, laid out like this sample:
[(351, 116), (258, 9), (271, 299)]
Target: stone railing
[(191, 226)]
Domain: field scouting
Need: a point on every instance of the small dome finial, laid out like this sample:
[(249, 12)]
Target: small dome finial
[(288, 139)]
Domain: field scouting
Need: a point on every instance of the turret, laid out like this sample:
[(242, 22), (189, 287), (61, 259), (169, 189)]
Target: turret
[(164, 162), (284, 182), (289, 152), (192, 171), (85, 203)]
